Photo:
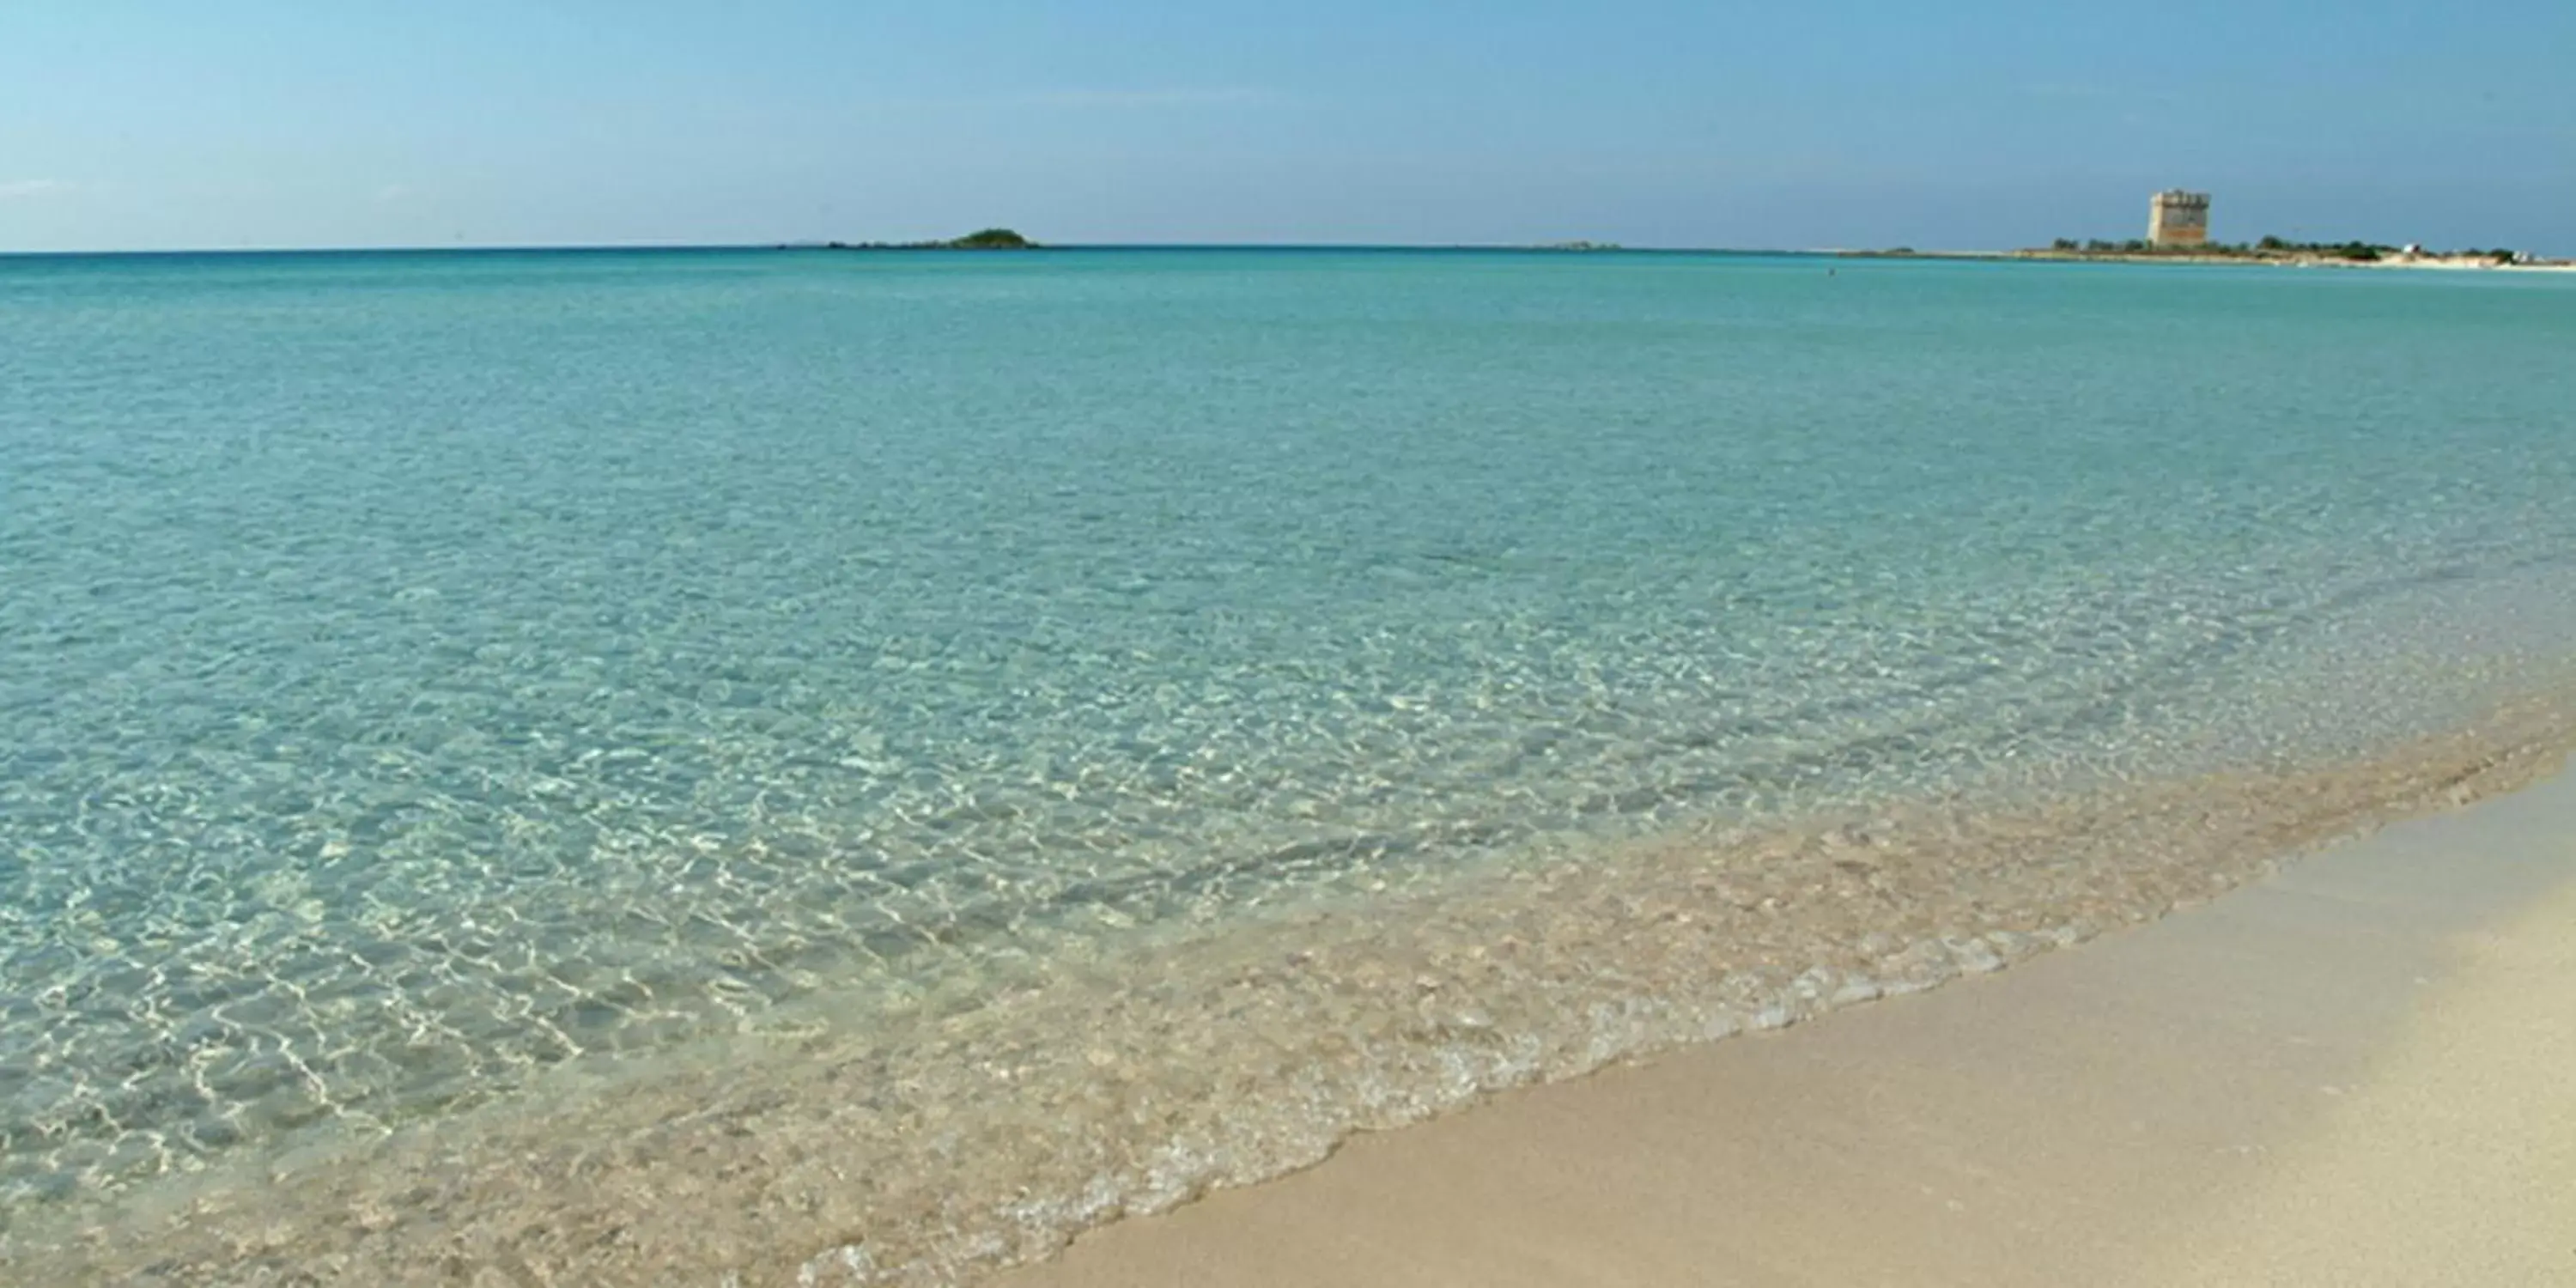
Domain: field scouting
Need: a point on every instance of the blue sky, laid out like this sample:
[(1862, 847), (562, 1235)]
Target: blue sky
[(1974, 123)]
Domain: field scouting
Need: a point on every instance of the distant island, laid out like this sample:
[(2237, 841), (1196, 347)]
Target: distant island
[(987, 239)]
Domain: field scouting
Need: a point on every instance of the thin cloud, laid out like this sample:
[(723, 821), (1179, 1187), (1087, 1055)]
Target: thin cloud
[(1151, 98), (1166, 99), (391, 193), (32, 188), (2086, 92)]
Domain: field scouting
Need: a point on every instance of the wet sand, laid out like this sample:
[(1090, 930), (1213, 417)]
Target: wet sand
[(2361, 1070)]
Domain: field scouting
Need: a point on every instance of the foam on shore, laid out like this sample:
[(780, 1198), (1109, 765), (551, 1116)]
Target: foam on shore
[(2350, 1074)]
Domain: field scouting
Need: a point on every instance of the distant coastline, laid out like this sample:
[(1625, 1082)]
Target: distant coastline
[(2352, 255)]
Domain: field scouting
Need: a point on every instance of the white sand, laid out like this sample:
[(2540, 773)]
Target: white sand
[(2362, 1072)]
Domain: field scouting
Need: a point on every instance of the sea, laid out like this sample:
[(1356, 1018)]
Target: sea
[(759, 766)]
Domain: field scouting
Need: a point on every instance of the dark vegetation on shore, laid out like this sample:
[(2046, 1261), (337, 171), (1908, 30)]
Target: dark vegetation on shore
[(2268, 248)]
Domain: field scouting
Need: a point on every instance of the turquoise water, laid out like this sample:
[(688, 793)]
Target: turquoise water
[(418, 671)]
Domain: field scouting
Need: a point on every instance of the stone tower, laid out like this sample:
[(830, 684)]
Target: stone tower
[(2178, 218)]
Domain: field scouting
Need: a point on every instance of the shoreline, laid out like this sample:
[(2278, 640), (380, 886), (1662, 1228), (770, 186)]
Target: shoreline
[(2349, 1072), (2440, 263), (1235, 1061)]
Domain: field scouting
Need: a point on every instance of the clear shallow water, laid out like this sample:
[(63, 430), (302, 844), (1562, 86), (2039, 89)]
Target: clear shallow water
[(418, 672)]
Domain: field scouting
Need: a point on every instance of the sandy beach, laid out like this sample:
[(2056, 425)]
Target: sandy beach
[(2354, 1072)]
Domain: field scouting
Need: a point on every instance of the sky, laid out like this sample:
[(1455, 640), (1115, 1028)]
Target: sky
[(162, 124)]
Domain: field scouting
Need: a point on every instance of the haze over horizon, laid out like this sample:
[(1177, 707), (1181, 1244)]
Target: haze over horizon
[(1997, 123)]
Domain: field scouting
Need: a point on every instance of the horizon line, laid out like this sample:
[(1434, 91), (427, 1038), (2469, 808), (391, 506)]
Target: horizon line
[(1567, 248)]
